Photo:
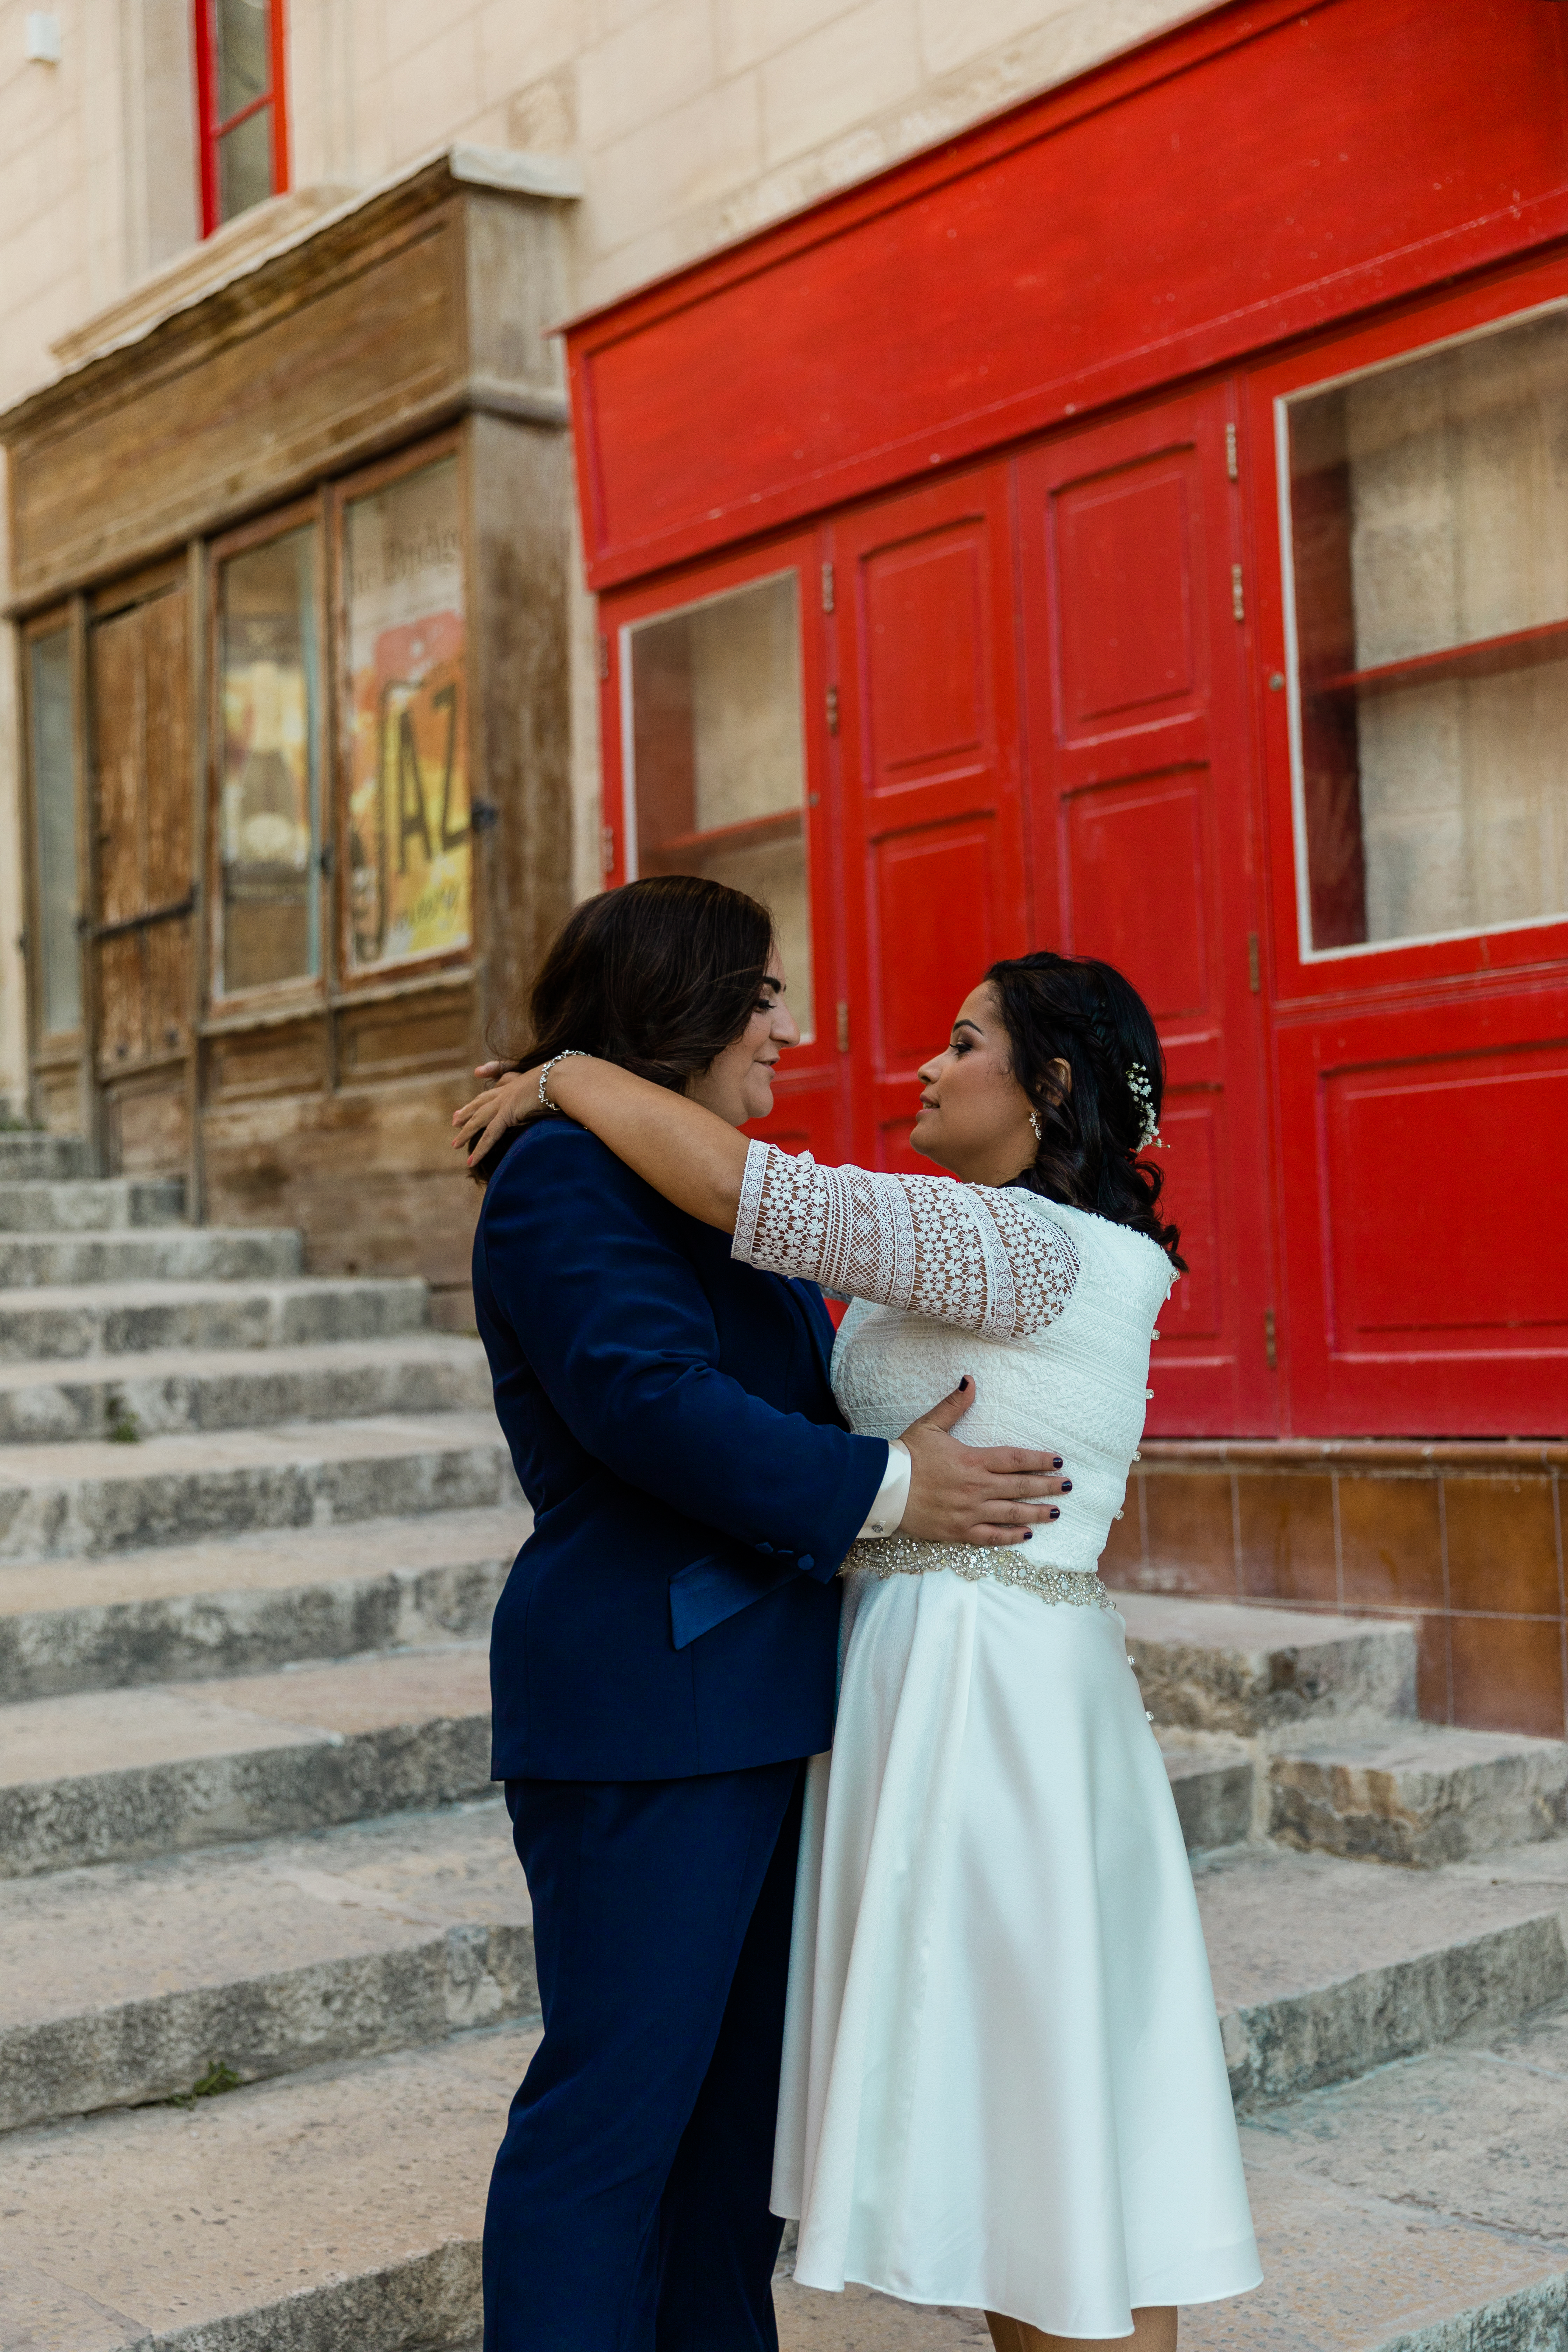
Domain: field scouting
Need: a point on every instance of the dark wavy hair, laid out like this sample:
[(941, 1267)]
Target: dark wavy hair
[(1075, 1010), (659, 976)]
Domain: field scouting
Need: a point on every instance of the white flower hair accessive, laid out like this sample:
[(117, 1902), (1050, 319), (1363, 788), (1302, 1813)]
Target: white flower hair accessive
[(1142, 1093)]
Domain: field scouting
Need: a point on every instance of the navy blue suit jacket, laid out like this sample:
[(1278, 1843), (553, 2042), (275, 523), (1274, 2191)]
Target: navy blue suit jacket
[(694, 1488)]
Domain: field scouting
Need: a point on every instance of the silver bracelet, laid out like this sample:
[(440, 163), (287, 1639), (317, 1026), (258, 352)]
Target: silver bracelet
[(582, 1053)]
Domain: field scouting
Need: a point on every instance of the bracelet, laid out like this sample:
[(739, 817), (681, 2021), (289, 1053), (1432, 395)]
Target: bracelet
[(582, 1053)]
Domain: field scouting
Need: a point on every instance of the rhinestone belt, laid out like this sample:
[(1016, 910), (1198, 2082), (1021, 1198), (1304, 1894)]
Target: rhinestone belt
[(1002, 1563)]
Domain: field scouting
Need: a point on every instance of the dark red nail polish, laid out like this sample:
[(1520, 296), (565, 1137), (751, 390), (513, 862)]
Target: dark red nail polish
[(1055, 1462), (1054, 1513), (1067, 1486)]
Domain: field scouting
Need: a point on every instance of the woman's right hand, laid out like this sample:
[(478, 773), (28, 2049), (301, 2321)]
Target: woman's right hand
[(507, 1096), (976, 1493)]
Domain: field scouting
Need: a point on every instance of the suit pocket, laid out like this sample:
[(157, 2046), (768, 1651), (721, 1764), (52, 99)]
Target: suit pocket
[(708, 1590)]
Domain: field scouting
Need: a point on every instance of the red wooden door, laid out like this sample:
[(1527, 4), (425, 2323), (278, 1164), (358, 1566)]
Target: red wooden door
[(935, 885), (1421, 1029), (1145, 842)]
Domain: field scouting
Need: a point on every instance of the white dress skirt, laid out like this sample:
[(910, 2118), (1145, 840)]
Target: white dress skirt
[(1003, 2080)]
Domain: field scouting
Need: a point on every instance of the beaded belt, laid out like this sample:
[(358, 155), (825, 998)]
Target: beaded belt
[(1002, 1563)]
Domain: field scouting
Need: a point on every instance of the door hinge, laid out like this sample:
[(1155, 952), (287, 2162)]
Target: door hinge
[(1233, 471), (483, 816), (1271, 1352), (827, 588), (1252, 972), (833, 710), (1237, 600), (607, 848), (603, 657), (843, 1028)]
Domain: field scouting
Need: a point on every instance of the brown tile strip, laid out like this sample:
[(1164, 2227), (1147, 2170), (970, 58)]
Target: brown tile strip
[(1464, 1538)]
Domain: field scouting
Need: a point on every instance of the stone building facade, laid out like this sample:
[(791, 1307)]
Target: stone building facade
[(689, 122)]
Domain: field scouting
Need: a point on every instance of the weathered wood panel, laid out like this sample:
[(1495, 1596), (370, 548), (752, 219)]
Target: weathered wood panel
[(297, 1160), (321, 372), (415, 1034), (148, 1124), (168, 802), (291, 1059), (520, 708)]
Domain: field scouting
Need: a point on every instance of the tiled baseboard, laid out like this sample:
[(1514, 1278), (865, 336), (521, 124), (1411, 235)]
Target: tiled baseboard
[(1465, 1539)]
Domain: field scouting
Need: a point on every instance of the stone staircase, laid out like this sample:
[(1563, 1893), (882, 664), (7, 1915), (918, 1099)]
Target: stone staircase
[(266, 1973)]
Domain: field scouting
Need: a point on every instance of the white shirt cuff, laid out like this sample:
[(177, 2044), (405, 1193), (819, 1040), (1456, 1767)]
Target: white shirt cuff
[(892, 1498)]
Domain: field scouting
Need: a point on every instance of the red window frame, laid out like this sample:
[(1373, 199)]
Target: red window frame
[(210, 130)]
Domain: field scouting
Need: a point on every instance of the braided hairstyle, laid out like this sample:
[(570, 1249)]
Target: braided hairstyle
[(1075, 1010)]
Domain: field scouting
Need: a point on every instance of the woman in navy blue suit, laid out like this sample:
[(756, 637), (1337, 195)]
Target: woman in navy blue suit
[(664, 1655)]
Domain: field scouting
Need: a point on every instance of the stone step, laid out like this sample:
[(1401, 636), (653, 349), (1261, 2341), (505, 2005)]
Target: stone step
[(1213, 1781), (28, 1156), (1423, 2209), (170, 1390), (243, 1604), (290, 1952), (1214, 1666), (93, 1498), (116, 1775), (1416, 1793), (332, 2210), (120, 1318), (176, 1253), (343, 2207), (263, 1959), (1324, 1969), (90, 1205)]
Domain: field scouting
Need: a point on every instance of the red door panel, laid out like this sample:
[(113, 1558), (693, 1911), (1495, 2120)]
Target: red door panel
[(1432, 1285), (932, 821), (1141, 796)]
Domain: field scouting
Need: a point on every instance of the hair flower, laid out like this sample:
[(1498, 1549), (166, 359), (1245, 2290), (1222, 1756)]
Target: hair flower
[(1142, 1093)]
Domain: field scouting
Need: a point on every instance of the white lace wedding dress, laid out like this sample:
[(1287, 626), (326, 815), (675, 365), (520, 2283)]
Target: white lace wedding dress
[(1002, 2081)]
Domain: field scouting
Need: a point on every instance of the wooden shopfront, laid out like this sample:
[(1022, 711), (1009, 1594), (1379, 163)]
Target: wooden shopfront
[(290, 565), (1140, 527)]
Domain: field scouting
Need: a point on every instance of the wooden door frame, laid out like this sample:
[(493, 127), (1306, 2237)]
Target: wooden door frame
[(77, 1046), (169, 576)]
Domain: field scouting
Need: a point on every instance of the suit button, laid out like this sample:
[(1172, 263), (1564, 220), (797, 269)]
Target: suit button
[(764, 1547), (805, 1560)]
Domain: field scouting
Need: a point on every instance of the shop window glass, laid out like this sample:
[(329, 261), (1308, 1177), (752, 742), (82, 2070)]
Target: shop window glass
[(718, 760), (1429, 531), (409, 851), (269, 789), (54, 791)]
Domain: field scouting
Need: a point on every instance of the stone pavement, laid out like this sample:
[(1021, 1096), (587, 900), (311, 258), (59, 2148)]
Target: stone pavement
[(266, 1966)]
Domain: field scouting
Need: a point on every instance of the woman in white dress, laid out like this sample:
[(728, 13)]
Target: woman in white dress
[(1003, 2080)]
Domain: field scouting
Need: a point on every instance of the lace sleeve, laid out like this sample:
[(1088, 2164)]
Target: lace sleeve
[(965, 1253)]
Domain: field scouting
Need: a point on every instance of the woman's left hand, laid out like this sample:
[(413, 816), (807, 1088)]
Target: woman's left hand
[(507, 1098)]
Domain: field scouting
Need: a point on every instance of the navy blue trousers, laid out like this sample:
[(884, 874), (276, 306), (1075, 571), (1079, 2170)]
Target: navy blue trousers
[(628, 2208)]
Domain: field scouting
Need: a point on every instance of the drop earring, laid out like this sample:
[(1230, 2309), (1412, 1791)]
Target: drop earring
[(1039, 1131)]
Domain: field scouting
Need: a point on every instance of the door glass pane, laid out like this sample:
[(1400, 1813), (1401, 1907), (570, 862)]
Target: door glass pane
[(245, 163), (719, 758), (269, 789), (54, 791), (409, 852), (243, 35), (1429, 525)]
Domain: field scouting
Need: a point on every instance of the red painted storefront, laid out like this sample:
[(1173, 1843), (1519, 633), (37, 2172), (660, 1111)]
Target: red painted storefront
[(1149, 502)]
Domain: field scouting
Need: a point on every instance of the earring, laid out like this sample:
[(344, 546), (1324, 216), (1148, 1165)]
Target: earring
[(1039, 1131)]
